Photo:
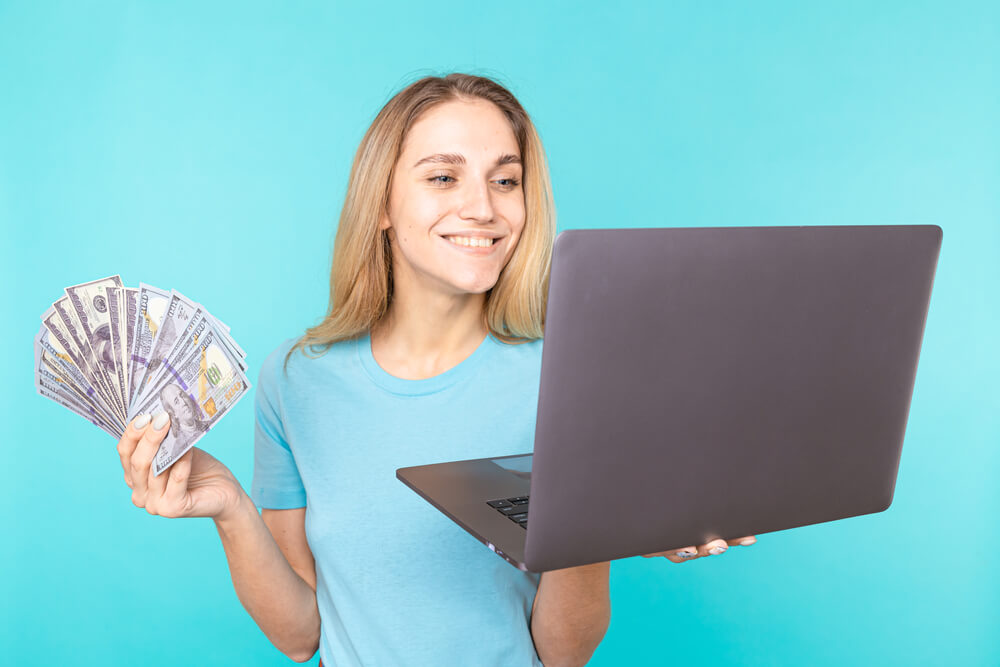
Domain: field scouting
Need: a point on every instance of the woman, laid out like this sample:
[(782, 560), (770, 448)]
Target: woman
[(430, 351)]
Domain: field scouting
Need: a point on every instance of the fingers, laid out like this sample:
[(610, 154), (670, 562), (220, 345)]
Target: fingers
[(176, 485), (128, 443), (682, 555), (713, 548), (155, 486), (142, 457)]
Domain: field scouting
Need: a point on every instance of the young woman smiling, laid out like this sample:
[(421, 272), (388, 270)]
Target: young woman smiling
[(430, 351)]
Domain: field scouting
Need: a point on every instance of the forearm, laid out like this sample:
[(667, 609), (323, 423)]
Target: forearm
[(279, 600), (571, 613)]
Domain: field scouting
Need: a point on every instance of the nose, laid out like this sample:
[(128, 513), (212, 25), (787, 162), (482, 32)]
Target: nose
[(477, 203)]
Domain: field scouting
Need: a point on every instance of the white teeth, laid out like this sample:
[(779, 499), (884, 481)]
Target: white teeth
[(470, 241)]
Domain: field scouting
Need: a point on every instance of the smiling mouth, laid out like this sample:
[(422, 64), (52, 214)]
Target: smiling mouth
[(473, 245)]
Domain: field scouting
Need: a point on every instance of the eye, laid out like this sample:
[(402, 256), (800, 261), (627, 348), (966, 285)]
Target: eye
[(511, 183), (434, 179)]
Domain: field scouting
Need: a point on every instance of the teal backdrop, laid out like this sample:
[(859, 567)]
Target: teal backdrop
[(206, 147)]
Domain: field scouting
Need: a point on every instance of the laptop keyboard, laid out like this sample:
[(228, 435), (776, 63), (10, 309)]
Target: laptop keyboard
[(515, 509)]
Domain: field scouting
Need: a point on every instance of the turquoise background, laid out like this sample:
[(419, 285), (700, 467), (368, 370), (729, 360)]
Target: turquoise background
[(206, 147)]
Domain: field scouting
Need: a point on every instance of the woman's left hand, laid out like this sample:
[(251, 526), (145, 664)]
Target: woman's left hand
[(712, 548)]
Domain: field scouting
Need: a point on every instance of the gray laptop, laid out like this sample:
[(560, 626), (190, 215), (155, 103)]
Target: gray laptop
[(702, 383)]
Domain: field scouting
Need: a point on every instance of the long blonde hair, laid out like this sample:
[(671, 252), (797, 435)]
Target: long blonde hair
[(361, 272)]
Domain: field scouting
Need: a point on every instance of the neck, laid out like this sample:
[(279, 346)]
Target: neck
[(425, 333), (432, 328)]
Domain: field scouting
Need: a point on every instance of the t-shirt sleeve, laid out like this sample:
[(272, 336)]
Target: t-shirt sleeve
[(276, 481)]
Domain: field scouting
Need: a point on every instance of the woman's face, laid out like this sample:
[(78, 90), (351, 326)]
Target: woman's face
[(458, 175)]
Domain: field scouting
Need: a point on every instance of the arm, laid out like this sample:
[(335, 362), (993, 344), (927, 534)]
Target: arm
[(269, 560), (572, 608), (570, 614), (274, 574)]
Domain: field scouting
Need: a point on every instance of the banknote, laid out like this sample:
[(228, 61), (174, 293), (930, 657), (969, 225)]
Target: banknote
[(171, 345), (200, 389), (62, 322), (151, 306), (90, 304), (180, 310), (116, 329), (108, 352), (49, 382), (50, 353), (129, 312)]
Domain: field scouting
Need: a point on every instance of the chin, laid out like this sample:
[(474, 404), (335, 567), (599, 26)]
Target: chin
[(472, 284), (477, 287)]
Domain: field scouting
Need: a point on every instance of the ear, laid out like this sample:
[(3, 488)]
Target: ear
[(386, 226)]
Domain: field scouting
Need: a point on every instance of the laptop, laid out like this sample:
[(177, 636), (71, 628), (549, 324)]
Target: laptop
[(702, 383)]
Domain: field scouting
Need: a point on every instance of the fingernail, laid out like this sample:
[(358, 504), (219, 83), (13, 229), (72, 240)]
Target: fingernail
[(747, 542), (160, 421), (715, 551), (685, 554), (141, 421)]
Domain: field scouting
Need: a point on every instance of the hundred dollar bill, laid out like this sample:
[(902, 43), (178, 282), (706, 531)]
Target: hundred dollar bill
[(90, 302), (129, 313), (188, 341), (175, 321), (51, 385), (230, 343), (114, 297), (201, 389), (62, 322), (151, 306), (51, 354), (182, 347)]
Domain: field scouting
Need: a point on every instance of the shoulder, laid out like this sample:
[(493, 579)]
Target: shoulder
[(527, 347), (519, 354), (280, 365), (274, 362), (293, 363)]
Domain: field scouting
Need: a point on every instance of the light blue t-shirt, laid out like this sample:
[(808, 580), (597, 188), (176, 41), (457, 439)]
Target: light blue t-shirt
[(398, 582)]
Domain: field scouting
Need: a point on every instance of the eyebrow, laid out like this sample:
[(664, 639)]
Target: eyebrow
[(458, 158)]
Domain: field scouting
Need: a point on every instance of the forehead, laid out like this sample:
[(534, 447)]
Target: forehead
[(476, 129)]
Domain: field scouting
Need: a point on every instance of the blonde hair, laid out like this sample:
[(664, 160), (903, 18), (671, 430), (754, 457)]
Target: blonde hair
[(361, 271)]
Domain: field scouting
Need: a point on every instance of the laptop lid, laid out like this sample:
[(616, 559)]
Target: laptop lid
[(700, 383)]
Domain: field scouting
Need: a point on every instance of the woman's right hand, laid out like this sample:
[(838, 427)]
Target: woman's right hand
[(197, 484)]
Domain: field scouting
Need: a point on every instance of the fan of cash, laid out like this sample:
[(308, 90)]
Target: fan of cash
[(109, 353)]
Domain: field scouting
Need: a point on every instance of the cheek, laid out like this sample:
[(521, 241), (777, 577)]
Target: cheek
[(421, 211), (515, 214), (517, 232)]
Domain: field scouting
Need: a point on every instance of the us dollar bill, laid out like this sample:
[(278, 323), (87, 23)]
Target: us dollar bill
[(51, 384), (151, 307), (200, 390), (107, 352), (62, 322), (129, 312), (115, 302), (50, 354), (187, 341), (183, 346), (179, 313), (90, 303)]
